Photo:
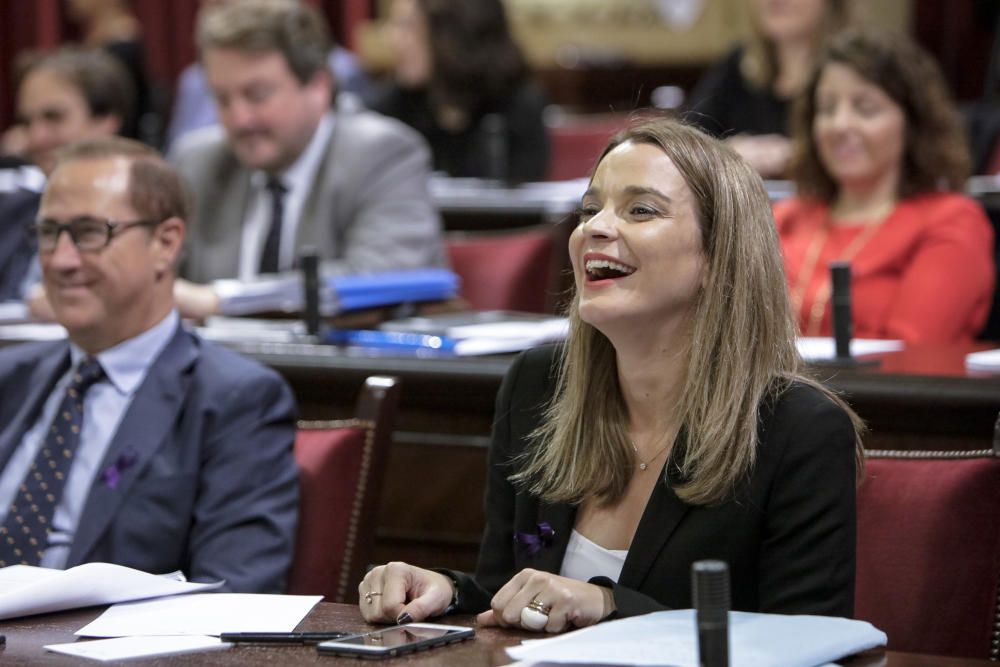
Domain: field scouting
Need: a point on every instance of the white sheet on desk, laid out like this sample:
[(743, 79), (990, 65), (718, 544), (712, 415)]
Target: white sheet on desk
[(35, 331), (670, 638), (824, 348), (28, 590), (123, 648), (208, 614), (987, 360), (13, 312), (500, 337)]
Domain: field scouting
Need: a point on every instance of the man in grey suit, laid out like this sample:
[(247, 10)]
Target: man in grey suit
[(291, 171), (134, 442)]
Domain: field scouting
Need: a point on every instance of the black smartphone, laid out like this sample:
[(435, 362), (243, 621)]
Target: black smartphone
[(397, 640)]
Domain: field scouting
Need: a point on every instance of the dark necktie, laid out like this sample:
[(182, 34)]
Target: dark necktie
[(24, 534), (272, 244)]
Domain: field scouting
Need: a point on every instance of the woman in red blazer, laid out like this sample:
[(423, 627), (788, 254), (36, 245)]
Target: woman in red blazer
[(880, 161)]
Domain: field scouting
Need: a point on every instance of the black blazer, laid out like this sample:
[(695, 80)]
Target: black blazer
[(788, 533)]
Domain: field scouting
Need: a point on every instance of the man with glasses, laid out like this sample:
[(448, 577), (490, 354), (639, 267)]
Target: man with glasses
[(134, 442), (291, 171)]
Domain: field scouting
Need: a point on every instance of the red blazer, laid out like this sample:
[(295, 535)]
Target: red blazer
[(925, 275)]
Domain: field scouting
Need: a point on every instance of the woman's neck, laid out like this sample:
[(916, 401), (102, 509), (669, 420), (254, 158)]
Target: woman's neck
[(651, 374), (794, 62), (864, 204)]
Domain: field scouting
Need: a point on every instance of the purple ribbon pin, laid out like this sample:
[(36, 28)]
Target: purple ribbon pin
[(113, 473), (532, 543)]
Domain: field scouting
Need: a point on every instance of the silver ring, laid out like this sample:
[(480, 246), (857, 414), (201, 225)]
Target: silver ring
[(370, 595), (535, 615)]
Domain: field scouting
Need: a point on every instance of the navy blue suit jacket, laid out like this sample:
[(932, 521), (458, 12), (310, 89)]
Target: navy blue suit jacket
[(208, 481)]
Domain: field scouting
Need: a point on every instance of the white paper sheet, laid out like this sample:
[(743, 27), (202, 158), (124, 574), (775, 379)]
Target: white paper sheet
[(670, 638), (987, 360), (814, 349), (30, 590), (207, 614), (123, 648)]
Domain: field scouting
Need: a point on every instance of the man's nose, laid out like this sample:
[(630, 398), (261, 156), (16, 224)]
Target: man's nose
[(65, 254)]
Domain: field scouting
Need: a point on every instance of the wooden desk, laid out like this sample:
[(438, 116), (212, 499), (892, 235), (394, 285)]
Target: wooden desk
[(920, 398), (27, 636)]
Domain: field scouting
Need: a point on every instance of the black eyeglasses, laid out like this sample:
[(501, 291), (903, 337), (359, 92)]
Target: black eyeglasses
[(89, 234)]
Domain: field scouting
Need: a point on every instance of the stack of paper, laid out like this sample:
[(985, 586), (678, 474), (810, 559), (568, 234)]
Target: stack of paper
[(28, 590), (670, 638), (184, 624)]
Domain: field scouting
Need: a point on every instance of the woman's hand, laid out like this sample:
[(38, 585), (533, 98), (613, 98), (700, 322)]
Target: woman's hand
[(573, 604), (195, 301), (767, 153), (389, 592)]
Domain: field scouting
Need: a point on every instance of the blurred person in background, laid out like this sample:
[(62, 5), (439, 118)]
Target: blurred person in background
[(112, 25), (880, 162), (462, 82), (745, 98), (62, 97), (194, 106)]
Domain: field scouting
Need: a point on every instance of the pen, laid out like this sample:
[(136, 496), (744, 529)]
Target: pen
[(281, 637)]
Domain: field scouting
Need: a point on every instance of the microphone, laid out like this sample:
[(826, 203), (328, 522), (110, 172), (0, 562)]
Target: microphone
[(843, 324), (710, 591), (309, 262), (494, 128)]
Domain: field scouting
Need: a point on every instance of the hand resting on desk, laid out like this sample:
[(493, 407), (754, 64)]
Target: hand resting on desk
[(389, 593), (575, 604)]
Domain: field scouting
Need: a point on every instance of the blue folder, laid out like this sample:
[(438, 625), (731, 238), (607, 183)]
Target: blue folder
[(355, 292)]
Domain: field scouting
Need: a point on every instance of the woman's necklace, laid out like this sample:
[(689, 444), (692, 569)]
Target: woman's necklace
[(645, 464), (805, 277)]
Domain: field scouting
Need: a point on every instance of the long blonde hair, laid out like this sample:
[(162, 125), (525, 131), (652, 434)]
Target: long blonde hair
[(742, 347), (759, 63)]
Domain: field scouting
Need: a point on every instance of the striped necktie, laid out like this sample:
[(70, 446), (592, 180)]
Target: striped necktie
[(24, 534)]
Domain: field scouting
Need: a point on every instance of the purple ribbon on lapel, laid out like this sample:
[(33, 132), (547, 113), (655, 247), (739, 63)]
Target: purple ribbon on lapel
[(113, 473), (532, 543)]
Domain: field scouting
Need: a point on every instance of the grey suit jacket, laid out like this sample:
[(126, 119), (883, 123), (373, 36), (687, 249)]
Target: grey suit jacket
[(208, 483), (368, 209)]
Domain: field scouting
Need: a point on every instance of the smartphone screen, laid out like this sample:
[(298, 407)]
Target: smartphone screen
[(397, 640)]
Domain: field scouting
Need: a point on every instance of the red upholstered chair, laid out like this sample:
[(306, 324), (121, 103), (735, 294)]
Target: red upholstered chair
[(341, 466), (509, 270), (929, 551), (577, 140)]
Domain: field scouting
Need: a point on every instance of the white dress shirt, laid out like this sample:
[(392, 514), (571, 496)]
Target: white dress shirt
[(298, 179)]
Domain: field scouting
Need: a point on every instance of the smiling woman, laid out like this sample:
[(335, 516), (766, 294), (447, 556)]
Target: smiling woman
[(674, 414), (881, 159)]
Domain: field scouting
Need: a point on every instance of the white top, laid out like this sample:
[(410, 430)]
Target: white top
[(298, 178), (585, 559)]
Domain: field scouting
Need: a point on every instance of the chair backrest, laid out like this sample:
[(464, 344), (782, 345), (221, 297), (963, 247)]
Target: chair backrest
[(928, 561), (509, 270), (341, 466), (577, 140)]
